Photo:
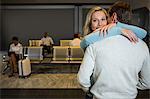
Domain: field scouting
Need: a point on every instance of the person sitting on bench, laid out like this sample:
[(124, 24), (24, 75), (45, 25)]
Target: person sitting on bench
[(47, 43), (15, 50)]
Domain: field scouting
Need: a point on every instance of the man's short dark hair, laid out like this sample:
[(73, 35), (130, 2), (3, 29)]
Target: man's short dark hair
[(122, 9), (15, 38), (76, 35)]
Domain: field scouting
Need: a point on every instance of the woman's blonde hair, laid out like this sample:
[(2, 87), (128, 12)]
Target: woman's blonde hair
[(87, 26)]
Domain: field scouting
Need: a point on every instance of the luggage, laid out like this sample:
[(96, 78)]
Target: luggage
[(24, 67)]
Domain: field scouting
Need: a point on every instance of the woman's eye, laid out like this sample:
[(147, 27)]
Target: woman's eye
[(103, 19), (94, 20)]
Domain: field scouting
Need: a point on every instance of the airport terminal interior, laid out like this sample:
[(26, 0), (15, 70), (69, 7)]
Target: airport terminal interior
[(53, 75)]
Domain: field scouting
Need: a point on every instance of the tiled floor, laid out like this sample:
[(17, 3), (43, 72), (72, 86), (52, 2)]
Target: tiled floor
[(45, 82), (44, 75), (40, 81)]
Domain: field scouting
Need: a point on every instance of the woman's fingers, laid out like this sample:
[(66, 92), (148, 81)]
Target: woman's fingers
[(130, 35), (104, 30), (133, 37)]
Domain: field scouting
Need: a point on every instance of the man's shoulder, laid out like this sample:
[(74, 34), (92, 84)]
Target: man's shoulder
[(12, 44), (142, 43), (76, 39), (48, 37), (19, 44), (42, 38), (110, 39)]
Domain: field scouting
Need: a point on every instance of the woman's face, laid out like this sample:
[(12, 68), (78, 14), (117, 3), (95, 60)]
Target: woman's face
[(98, 20)]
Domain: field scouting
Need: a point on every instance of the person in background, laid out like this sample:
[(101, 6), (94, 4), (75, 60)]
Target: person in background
[(96, 27), (15, 52), (47, 43), (76, 41)]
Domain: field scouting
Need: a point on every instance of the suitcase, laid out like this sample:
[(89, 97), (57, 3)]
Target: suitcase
[(24, 67)]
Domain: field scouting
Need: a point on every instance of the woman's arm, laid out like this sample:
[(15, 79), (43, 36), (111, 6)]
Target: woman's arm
[(89, 39), (139, 32), (96, 36), (93, 37)]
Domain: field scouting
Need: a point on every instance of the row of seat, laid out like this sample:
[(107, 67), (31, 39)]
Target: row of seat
[(39, 42), (62, 53), (73, 53), (59, 53)]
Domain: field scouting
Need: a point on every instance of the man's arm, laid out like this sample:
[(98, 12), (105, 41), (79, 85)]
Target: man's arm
[(86, 69), (10, 48), (51, 41), (144, 79), (20, 49), (139, 32), (42, 42)]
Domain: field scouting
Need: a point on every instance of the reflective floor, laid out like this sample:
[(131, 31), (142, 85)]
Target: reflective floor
[(44, 76), (40, 81)]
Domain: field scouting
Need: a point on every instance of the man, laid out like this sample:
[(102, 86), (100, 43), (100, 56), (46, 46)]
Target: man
[(15, 50), (47, 43), (76, 41), (114, 64), (104, 77)]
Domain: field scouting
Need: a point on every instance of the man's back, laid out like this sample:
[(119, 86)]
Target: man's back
[(116, 65)]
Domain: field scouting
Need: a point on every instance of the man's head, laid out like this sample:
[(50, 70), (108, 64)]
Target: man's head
[(120, 11), (45, 34), (15, 40), (77, 35)]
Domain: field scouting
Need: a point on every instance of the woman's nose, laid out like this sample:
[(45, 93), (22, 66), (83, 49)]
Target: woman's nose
[(99, 23)]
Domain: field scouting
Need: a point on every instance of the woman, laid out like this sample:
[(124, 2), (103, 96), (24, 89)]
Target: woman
[(97, 19)]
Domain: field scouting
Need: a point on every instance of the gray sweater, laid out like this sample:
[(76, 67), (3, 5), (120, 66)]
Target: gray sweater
[(114, 64)]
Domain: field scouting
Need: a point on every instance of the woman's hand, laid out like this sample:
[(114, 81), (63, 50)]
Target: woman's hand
[(130, 35), (103, 30)]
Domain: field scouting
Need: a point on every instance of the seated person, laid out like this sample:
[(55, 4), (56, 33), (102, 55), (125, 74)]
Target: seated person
[(14, 53), (47, 43), (76, 41)]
